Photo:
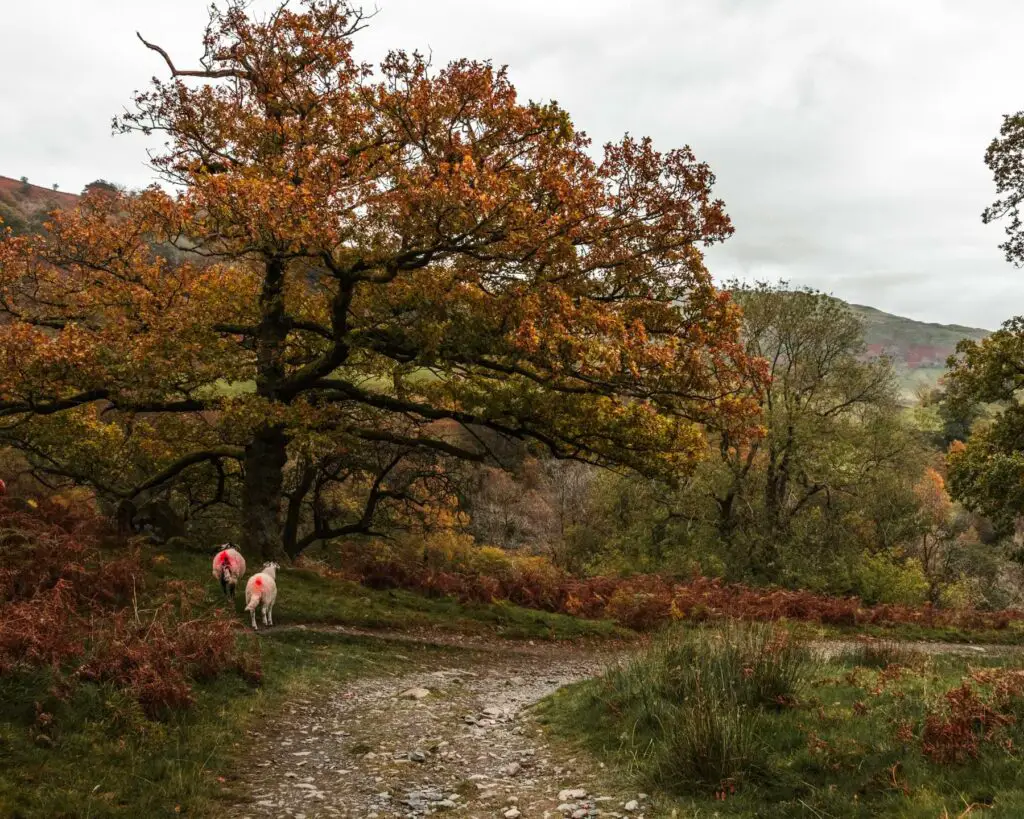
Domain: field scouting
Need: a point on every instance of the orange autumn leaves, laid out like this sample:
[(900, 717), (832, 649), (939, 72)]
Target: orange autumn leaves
[(336, 228)]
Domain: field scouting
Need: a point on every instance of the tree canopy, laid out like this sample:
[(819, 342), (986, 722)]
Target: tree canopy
[(358, 276)]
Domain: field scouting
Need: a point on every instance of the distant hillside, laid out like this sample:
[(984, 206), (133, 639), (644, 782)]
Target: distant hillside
[(24, 206), (919, 349)]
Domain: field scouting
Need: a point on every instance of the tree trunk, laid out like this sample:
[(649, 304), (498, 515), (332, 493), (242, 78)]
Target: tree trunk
[(262, 493), (726, 516), (266, 454), (293, 516)]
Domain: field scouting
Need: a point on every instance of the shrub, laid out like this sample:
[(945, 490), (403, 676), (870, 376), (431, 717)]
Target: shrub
[(883, 578), (446, 563)]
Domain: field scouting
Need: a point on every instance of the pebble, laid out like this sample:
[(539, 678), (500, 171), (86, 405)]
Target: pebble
[(572, 794), (632, 805), (512, 813), (415, 694)]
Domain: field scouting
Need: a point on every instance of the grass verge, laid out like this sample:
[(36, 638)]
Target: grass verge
[(306, 597)]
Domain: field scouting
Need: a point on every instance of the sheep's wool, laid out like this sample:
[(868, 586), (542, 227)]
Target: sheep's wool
[(228, 561)]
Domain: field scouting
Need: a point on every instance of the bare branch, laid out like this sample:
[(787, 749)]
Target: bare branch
[(207, 74)]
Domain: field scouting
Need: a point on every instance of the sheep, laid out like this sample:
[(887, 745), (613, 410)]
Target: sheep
[(228, 568), (262, 589)]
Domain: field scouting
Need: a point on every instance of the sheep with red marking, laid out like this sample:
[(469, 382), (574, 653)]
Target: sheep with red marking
[(228, 568), (261, 590)]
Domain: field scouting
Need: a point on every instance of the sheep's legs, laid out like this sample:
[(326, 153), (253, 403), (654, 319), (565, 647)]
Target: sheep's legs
[(266, 618), (224, 585), (253, 613), (270, 614)]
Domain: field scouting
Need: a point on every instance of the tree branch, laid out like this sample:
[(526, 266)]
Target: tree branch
[(185, 462), (207, 74)]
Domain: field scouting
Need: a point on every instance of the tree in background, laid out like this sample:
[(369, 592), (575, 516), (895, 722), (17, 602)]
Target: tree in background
[(830, 417), (363, 272), (987, 473)]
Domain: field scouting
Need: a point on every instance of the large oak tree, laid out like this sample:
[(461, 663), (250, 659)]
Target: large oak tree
[(354, 277)]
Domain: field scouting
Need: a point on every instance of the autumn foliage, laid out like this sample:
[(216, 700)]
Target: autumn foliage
[(973, 714), (68, 607)]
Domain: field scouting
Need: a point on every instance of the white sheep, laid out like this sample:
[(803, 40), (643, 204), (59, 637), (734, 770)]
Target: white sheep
[(228, 568), (262, 589)]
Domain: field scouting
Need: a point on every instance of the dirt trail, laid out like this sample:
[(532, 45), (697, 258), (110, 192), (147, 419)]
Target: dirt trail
[(377, 747)]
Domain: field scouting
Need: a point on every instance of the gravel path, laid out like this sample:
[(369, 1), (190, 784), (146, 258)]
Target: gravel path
[(456, 738)]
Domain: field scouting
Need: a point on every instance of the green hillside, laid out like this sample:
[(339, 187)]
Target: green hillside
[(919, 349)]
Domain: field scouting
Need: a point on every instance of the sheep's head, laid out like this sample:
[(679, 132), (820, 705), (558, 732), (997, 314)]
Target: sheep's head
[(271, 568)]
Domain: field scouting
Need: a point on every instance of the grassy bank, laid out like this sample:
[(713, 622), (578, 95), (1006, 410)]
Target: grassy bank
[(742, 721), (76, 748), (307, 597)]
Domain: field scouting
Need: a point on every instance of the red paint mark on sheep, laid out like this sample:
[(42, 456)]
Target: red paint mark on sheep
[(222, 558), (257, 581)]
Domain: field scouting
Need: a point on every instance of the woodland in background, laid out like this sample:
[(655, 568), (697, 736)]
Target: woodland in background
[(844, 494)]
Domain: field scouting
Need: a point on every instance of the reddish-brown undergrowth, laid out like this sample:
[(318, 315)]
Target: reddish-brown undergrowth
[(66, 605), (448, 565), (973, 714)]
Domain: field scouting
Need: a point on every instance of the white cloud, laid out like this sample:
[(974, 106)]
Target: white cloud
[(847, 136)]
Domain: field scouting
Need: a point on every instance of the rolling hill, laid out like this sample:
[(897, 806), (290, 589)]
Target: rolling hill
[(919, 349), (23, 206)]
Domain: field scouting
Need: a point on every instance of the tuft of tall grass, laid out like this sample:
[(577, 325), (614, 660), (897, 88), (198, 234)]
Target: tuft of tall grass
[(697, 699)]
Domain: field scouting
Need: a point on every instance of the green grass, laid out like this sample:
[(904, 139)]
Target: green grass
[(306, 597), (835, 752), (102, 758)]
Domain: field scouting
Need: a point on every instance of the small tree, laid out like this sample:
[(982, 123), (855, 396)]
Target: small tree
[(937, 521), (830, 418)]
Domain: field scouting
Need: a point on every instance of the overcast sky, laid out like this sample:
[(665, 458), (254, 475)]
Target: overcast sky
[(847, 136)]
